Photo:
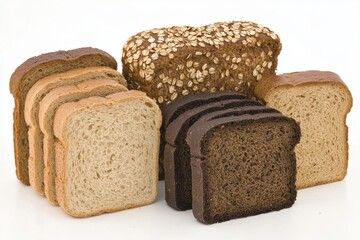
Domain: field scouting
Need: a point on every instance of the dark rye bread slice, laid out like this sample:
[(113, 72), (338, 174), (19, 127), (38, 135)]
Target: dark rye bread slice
[(177, 152), (242, 165), (28, 73), (177, 107)]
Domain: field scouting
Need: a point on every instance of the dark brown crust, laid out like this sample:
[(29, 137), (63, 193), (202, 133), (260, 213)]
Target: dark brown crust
[(177, 107), (199, 176), (24, 77)]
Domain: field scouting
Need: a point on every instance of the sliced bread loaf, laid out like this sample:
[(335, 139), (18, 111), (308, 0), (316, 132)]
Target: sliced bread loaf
[(319, 102), (242, 165), (31, 111), (172, 110), (177, 152), (107, 153), (168, 63), (28, 73), (47, 109)]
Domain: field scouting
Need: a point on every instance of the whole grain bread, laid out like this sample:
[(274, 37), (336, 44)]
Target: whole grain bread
[(28, 73), (47, 109), (107, 153), (175, 108), (319, 101), (168, 63), (31, 112), (177, 162), (242, 166)]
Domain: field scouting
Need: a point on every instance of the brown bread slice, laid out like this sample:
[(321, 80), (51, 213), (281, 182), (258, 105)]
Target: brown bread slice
[(175, 108), (31, 111), (47, 109), (242, 166), (168, 63), (177, 152), (28, 73), (107, 153), (319, 101)]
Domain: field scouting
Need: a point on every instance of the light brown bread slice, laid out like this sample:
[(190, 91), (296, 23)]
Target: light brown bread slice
[(107, 153), (28, 73), (319, 102), (31, 111), (48, 106)]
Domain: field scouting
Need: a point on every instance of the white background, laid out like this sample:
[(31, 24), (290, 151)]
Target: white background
[(321, 35)]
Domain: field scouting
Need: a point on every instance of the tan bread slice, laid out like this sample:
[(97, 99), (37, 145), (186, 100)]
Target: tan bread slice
[(48, 106), (107, 153), (31, 111), (28, 73), (319, 102)]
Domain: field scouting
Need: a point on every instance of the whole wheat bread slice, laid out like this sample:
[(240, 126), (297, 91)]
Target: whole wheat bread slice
[(47, 109), (319, 101), (107, 153), (28, 73), (31, 111)]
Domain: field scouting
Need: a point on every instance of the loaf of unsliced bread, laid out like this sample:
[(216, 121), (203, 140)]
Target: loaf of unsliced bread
[(31, 112), (242, 165), (28, 73), (107, 153), (47, 109), (177, 152), (168, 63), (172, 110), (319, 102)]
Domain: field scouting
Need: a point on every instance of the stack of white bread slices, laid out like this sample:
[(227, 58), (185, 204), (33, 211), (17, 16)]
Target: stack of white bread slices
[(81, 137)]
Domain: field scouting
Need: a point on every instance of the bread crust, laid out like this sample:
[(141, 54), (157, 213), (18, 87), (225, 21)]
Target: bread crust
[(61, 117), (286, 81), (30, 72)]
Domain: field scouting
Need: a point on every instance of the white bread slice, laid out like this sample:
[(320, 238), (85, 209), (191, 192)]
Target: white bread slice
[(319, 102), (33, 98), (48, 106), (107, 153)]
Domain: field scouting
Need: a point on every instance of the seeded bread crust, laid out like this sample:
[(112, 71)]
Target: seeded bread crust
[(201, 199), (284, 82), (168, 63), (176, 108), (32, 103), (27, 74), (61, 116)]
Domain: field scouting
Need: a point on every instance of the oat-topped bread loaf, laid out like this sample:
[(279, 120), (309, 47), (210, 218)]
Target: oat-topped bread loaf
[(107, 153), (242, 165), (177, 152), (47, 109), (28, 73), (32, 103), (174, 109), (319, 101), (168, 63)]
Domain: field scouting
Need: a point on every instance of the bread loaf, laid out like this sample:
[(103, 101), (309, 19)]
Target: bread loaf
[(28, 73), (168, 63), (319, 101), (107, 153), (31, 112)]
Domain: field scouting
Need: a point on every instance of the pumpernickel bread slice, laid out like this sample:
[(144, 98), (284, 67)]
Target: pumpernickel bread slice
[(176, 108), (107, 153), (242, 165), (177, 152), (28, 73), (47, 109), (31, 112)]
